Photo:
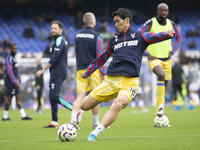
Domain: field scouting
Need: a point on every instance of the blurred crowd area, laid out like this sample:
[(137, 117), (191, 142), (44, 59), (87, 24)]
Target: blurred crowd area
[(27, 23)]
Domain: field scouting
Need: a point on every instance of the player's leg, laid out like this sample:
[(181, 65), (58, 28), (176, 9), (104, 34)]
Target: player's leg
[(54, 111), (156, 66), (10, 90), (95, 113), (18, 101), (8, 102), (58, 84), (39, 94), (95, 80), (120, 103), (174, 92), (54, 86), (158, 70), (82, 88), (76, 109), (7, 105), (180, 89), (105, 92), (125, 90), (89, 103), (21, 109)]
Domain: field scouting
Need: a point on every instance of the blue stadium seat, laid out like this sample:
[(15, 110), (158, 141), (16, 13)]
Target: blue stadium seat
[(14, 29)]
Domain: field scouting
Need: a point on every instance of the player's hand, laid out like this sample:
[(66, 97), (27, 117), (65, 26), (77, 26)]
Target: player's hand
[(16, 85), (39, 73), (19, 80), (38, 87), (151, 57), (170, 54), (83, 75), (171, 33), (102, 78)]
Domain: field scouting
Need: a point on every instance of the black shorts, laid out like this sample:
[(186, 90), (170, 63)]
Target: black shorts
[(11, 89)]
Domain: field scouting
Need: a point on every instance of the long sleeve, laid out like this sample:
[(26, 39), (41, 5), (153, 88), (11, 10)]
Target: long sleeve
[(99, 51), (146, 26), (9, 66), (99, 61), (178, 38), (151, 38)]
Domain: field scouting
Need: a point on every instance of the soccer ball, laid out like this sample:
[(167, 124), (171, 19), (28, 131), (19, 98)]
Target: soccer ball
[(162, 121), (67, 132)]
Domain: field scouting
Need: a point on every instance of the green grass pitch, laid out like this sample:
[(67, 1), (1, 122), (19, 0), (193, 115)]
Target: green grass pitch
[(133, 130)]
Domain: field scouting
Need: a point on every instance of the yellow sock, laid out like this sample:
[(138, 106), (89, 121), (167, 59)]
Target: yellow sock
[(160, 95)]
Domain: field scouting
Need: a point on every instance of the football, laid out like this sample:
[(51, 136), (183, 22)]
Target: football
[(67, 133), (161, 121)]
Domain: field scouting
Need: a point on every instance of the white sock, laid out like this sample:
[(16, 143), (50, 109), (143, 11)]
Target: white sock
[(73, 116), (100, 128), (22, 112), (161, 106), (54, 123), (5, 114), (95, 119)]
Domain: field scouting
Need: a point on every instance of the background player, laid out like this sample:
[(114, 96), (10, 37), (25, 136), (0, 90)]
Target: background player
[(122, 80), (58, 71), (39, 83), (12, 83), (159, 54), (88, 45)]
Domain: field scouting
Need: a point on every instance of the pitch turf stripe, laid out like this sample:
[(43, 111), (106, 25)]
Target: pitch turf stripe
[(147, 136), (118, 137)]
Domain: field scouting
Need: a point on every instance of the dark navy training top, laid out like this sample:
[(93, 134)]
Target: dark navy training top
[(88, 46), (127, 50), (58, 57)]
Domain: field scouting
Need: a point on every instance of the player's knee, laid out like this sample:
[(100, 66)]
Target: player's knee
[(161, 76), (53, 98), (84, 106), (87, 103), (119, 105)]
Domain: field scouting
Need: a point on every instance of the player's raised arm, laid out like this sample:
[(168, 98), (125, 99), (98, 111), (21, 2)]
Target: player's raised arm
[(151, 38), (98, 62)]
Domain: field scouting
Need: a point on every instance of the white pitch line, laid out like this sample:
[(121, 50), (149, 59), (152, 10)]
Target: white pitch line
[(118, 137)]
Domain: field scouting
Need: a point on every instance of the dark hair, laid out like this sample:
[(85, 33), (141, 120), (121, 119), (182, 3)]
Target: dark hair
[(59, 23), (123, 13), (13, 45)]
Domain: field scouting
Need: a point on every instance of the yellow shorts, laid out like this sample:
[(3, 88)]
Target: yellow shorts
[(88, 84), (114, 85), (166, 65)]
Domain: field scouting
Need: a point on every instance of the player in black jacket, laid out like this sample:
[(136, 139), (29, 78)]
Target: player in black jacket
[(58, 71), (39, 84)]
